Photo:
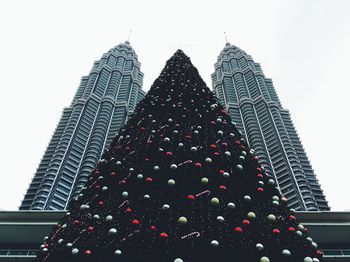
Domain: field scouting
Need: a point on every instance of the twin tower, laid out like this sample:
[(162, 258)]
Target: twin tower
[(110, 93)]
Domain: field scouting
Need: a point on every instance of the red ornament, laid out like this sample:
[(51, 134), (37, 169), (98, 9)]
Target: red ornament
[(237, 142), (112, 174), (291, 229), (259, 175), (169, 153), (76, 222), (222, 188), (221, 171), (212, 123), (190, 197), (260, 189), (163, 235), (276, 231), (128, 210), (319, 252), (259, 169), (291, 217), (153, 228), (97, 187), (246, 222), (216, 153), (224, 144), (149, 179), (100, 203), (87, 252), (135, 222), (90, 229), (213, 146), (238, 229), (197, 164)]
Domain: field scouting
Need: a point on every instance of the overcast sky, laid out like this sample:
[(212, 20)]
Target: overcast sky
[(47, 46)]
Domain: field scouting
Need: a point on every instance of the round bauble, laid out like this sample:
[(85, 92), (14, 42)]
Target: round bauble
[(214, 243), (173, 166), (247, 198), (204, 180), (214, 201), (165, 207), (220, 219), (264, 259), (259, 246), (112, 231), (171, 182), (286, 252), (118, 252), (271, 218), (251, 215), (231, 205), (182, 220), (208, 160)]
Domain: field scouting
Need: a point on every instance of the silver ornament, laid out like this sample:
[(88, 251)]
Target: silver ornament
[(214, 243), (112, 231)]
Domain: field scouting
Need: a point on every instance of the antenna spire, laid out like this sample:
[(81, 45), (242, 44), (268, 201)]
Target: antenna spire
[(227, 42), (129, 36)]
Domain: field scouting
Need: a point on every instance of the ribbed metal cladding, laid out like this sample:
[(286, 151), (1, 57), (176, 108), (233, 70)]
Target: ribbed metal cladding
[(254, 106), (99, 108)]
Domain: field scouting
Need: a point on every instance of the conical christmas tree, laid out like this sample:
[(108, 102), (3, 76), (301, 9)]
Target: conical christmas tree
[(178, 183)]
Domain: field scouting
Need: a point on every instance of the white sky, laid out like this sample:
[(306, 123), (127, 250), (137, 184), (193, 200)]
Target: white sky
[(47, 46)]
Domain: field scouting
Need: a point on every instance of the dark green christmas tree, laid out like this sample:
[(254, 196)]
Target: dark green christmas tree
[(179, 183)]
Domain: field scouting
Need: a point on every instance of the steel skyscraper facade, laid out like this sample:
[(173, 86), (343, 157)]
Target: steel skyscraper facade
[(254, 106), (99, 108)]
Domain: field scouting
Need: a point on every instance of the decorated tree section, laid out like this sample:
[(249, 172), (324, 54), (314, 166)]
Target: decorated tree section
[(179, 183)]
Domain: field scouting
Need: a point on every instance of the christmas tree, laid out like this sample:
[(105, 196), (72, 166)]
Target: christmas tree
[(179, 183)]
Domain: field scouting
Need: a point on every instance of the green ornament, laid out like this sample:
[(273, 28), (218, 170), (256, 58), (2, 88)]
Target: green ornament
[(264, 259), (271, 218), (182, 220), (251, 215), (214, 201), (204, 180)]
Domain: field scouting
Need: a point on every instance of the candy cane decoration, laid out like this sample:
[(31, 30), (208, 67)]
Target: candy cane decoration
[(130, 235), (122, 204), (195, 234), (207, 192), (186, 162)]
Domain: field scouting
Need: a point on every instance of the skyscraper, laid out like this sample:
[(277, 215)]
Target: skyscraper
[(254, 106), (99, 108)]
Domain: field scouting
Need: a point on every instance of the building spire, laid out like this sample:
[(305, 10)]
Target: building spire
[(227, 42)]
